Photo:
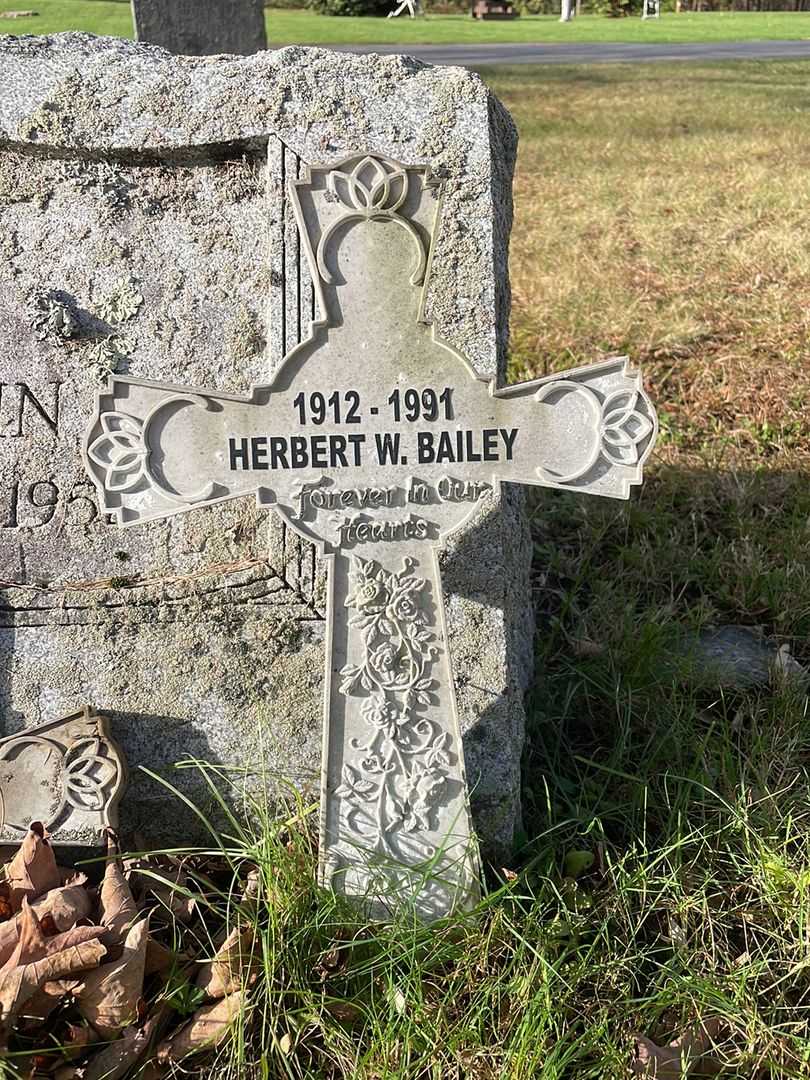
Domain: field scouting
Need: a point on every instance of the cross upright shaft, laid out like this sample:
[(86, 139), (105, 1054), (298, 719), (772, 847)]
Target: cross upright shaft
[(375, 440)]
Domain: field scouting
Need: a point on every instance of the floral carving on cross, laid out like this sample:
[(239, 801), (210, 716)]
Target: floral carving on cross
[(397, 773)]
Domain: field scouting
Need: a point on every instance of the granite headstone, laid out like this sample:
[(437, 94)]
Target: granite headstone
[(350, 216), (201, 27), (146, 228)]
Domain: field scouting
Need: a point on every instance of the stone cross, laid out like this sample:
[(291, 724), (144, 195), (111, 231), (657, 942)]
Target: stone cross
[(375, 440), (201, 27)]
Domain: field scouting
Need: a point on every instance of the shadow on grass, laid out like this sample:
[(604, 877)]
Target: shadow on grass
[(622, 735)]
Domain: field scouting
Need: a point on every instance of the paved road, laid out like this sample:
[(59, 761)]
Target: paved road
[(611, 53)]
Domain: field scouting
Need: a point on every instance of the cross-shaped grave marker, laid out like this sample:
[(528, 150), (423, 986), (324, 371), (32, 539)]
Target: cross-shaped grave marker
[(375, 440)]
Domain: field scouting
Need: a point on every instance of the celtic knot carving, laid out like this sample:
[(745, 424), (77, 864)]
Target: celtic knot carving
[(68, 773), (89, 774), (394, 781), (121, 456), (373, 186)]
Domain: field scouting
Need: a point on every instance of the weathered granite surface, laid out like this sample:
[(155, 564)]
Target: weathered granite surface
[(145, 227), (201, 27)]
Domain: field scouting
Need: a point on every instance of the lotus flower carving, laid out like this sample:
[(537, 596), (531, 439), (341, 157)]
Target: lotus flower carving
[(120, 451), (624, 427), (373, 186)]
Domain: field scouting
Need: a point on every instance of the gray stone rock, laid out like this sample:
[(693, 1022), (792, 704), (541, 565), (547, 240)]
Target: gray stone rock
[(740, 658), (145, 228), (201, 27)]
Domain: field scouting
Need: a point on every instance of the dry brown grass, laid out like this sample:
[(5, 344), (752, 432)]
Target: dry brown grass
[(664, 211)]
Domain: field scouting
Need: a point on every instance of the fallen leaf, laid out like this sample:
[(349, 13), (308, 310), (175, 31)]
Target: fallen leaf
[(41, 1004), (108, 997), (232, 965), (118, 908), (73, 877), (584, 648), (160, 959), (117, 1058), (206, 1030), (79, 1038), (33, 870), (164, 877), (5, 902), (285, 1044), (21, 983), (33, 945), (30, 940), (577, 863), (343, 1011), (250, 893), (677, 1059), (57, 911)]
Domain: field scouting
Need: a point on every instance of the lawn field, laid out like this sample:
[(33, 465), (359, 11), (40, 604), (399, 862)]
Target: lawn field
[(286, 27), (661, 884)]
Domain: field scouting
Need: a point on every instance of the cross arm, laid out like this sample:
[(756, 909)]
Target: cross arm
[(155, 450), (589, 429)]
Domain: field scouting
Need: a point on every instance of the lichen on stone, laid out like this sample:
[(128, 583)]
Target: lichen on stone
[(123, 302), (104, 179), (53, 316), (244, 337), (23, 180), (108, 354)]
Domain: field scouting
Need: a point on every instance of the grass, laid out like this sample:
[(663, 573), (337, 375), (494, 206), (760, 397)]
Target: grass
[(290, 27), (663, 212)]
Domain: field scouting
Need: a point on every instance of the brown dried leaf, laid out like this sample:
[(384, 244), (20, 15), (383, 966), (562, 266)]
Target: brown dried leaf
[(232, 965), (33, 945), (41, 1004), (5, 901), (251, 891), (57, 911), (117, 1058), (33, 870), (585, 648), (677, 1059), (173, 896), (73, 877), (343, 1011), (163, 877), (160, 959), (21, 983), (30, 941), (118, 908), (206, 1030), (78, 1039), (108, 997)]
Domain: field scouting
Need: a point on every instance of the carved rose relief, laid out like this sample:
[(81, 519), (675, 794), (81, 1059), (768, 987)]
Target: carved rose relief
[(394, 781)]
